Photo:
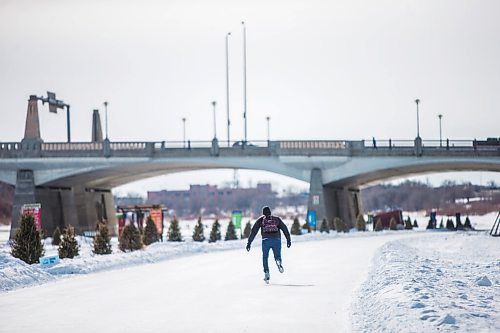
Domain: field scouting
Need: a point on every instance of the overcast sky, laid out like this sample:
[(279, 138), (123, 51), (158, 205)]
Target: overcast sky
[(318, 69)]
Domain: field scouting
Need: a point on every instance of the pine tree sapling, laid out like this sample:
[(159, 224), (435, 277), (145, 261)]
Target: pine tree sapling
[(379, 226), (198, 233), (174, 231), (307, 227), (415, 224), (56, 237), (340, 226), (150, 232), (467, 224), (69, 246), (408, 225), (230, 232), (27, 244), (360, 223), (131, 239), (296, 229), (102, 240), (331, 225), (324, 226), (215, 232), (247, 231)]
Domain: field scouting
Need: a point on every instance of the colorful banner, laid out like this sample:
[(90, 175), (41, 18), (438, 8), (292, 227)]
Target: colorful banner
[(311, 218), (35, 210), (236, 217), (156, 216)]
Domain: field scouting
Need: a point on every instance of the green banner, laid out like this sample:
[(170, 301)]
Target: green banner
[(236, 217)]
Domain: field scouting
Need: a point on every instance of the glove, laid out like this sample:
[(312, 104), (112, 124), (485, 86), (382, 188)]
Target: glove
[(288, 243), (248, 247)]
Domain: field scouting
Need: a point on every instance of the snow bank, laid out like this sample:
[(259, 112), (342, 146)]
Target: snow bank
[(440, 281)]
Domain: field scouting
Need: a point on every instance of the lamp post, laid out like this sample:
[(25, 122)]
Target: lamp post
[(106, 117), (214, 103), (440, 132), (245, 78), (418, 125), (268, 135), (184, 132), (227, 88)]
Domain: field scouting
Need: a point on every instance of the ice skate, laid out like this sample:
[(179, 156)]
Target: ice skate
[(266, 277), (280, 267)]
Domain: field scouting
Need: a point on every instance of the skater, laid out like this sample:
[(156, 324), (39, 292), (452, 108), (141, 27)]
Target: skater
[(271, 238)]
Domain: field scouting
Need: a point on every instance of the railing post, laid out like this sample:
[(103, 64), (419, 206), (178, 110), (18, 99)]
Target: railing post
[(214, 151), (106, 148), (418, 146)]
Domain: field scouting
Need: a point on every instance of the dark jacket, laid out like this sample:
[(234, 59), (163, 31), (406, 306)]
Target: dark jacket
[(277, 234)]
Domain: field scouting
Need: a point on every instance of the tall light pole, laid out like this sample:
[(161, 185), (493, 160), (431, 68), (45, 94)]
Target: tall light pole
[(440, 132), (268, 132), (184, 132), (245, 77), (214, 103), (106, 117), (227, 88), (418, 125)]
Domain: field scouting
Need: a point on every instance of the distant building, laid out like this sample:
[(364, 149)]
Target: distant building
[(212, 200)]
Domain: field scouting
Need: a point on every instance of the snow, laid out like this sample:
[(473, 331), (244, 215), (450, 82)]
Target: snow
[(390, 281)]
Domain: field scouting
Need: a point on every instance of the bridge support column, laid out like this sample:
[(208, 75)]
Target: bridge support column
[(332, 202), (78, 206), (344, 203)]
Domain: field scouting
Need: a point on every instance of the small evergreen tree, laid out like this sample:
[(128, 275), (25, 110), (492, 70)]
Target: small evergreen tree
[(230, 232), (331, 224), (174, 231), (340, 226), (307, 227), (449, 225), (393, 225), (56, 237), (131, 239), (324, 226), (379, 225), (247, 231), (415, 224), (150, 232), (198, 233), (215, 233), (69, 247), (408, 225), (296, 229), (467, 224), (441, 224), (27, 244), (102, 240), (360, 223)]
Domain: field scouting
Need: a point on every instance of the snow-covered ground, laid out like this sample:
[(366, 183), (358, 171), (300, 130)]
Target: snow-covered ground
[(401, 281)]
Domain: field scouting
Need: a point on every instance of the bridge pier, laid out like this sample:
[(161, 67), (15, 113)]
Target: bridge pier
[(332, 202), (80, 207)]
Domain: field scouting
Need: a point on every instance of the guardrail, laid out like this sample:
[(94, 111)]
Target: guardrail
[(216, 148)]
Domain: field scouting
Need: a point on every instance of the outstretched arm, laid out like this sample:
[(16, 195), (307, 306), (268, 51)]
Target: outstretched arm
[(255, 229), (283, 227)]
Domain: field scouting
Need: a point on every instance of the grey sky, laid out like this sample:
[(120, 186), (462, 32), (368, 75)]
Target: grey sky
[(319, 69)]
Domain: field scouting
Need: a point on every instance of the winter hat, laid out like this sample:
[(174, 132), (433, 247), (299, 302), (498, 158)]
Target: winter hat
[(266, 211)]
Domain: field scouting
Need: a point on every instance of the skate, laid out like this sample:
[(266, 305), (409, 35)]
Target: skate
[(280, 267), (266, 277)]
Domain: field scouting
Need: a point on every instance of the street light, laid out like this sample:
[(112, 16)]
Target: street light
[(106, 117), (245, 77), (268, 136), (418, 125), (227, 88), (214, 103), (440, 132), (184, 132)]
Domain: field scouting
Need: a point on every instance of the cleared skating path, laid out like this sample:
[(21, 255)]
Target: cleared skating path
[(212, 292)]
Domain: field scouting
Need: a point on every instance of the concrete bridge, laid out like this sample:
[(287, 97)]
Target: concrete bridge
[(73, 181)]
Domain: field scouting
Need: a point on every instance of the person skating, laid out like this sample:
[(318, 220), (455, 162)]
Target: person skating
[(271, 239)]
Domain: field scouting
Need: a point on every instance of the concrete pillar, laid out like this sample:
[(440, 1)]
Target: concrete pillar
[(96, 127), (24, 193), (32, 129), (343, 202), (316, 200)]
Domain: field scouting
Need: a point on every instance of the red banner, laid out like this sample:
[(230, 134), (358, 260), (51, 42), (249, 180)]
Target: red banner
[(35, 211), (157, 218)]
